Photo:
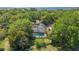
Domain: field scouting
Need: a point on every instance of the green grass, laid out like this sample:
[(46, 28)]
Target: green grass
[(5, 44), (2, 44), (47, 48), (42, 40), (44, 44)]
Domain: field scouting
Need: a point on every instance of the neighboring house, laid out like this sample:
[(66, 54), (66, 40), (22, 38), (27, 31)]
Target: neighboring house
[(39, 30)]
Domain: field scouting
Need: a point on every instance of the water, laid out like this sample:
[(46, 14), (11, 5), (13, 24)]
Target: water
[(38, 34)]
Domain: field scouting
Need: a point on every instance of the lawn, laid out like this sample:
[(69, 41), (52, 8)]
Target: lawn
[(43, 44), (42, 40), (2, 44)]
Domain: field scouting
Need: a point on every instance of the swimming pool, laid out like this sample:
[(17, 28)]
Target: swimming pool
[(39, 35)]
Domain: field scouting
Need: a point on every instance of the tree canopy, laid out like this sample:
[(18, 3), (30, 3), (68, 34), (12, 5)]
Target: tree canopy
[(16, 28)]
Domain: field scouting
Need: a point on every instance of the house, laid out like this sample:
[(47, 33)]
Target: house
[(39, 30)]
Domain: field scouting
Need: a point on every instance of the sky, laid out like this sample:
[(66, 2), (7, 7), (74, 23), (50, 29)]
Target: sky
[(49, 8)]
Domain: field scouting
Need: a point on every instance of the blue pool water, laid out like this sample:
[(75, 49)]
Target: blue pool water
[(38, 34)]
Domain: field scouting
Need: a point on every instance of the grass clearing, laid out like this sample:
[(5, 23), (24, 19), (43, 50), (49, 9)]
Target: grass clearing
[(43, 44), (42, 40), (5, 44), (47, 48), (2, 44)]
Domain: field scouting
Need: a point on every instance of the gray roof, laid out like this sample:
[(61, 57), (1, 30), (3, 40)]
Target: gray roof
[(39, 27)]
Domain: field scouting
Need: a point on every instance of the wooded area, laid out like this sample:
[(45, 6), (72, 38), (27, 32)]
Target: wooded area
[(16, 29)]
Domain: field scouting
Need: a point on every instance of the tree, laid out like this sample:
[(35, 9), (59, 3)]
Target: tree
[(48, 19), (19, 34), (2, 34), (21, 42), (66, 31)]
